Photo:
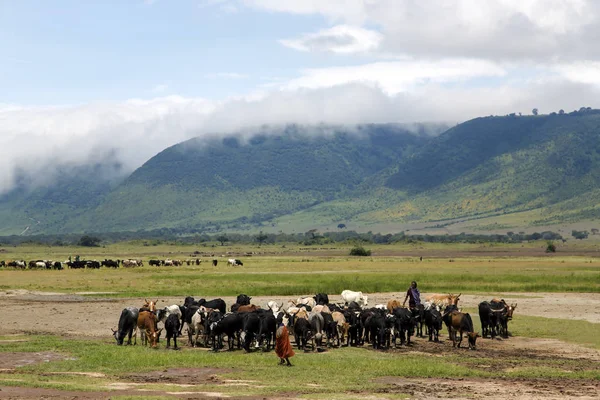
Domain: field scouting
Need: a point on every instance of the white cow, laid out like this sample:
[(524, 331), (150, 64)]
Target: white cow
[(349, 296), (196, 327), (307, 301), (274, 307), (234, 262)]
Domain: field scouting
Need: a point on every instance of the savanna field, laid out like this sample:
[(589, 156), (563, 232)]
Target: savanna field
[(56, 340)]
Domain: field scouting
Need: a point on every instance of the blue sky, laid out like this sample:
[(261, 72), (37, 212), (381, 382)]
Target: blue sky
[(57, 52), (129, 78)]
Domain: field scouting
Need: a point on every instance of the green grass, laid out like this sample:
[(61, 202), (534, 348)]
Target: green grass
[(574, 331)]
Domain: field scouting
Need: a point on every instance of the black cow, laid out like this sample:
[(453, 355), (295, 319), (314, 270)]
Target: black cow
[(504, 313), (93, 264), (216, 304), (109, 263), (268, 328), (330, 329), (488, 319), (243, 299), (215, 262), (354, 306), (363, 331), (405, 324), (57, 265), (353, 332), (156, 263), (2, 264), (172, 326), (76, 264), (229, 325), (375, 325), (418, 313), (127, 325), (302, 332), (321, 299), (433, 321), (250, 329), (334, 307)]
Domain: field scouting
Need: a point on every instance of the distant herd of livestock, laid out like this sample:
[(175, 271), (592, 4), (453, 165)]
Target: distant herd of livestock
[(314, 322), (94, 264)]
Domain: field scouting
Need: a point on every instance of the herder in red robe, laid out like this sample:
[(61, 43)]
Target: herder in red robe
[(283, 347)]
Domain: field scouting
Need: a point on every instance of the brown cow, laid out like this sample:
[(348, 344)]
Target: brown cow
[(342, 326), (393, 303), (248, 308), (460, 323), (147, 326), (443, 299), (150, 305)]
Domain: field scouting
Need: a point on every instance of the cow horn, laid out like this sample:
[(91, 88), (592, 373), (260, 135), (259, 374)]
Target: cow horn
[(113, 330), (146, 300), (156, 301)]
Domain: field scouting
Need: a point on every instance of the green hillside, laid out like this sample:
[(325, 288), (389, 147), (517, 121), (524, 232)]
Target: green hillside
[(238, 183), (542, 170)]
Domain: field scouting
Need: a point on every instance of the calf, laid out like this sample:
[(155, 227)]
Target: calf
[(342, 327), (197, 326), (172, 326), (127, 325), (462, 323), (147, 326)]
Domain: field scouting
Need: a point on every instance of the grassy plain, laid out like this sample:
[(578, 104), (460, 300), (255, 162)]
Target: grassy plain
[(295, 269)]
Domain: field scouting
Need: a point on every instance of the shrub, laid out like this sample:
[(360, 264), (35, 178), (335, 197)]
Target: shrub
[(359, 251), (550, 247)]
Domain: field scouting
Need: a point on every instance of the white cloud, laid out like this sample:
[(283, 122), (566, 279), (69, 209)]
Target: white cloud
[(338, 39), (582, 71), (491, 29), (397, 76), (38, 140)]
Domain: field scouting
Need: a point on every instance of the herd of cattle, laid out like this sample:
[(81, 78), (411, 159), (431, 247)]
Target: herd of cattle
[(94, 264), (313, 321)]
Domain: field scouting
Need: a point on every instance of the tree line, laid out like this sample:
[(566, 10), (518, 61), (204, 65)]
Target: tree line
[(309, 238)]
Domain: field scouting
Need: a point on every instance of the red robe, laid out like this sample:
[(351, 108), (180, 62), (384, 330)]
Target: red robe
[(283, 347)]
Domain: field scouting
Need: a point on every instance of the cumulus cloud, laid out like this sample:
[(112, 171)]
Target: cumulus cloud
[(491, 29), (338, 39)]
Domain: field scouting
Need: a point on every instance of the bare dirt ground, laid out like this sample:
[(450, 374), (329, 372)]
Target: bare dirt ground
[(79, 315)]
